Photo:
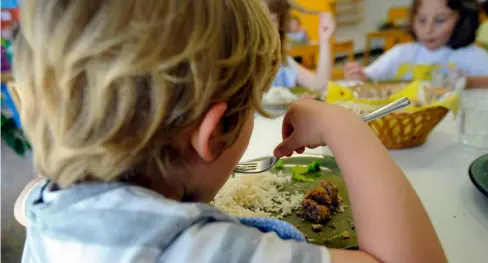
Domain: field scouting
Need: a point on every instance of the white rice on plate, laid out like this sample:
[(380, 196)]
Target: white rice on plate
[(257, 195)]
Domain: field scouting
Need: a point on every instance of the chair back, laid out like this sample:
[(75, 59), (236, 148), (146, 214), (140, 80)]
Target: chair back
[(399, 16)]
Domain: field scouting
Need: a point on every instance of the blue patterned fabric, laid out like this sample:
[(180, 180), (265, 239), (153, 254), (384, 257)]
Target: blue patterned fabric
[(283, 229), (286, 76)]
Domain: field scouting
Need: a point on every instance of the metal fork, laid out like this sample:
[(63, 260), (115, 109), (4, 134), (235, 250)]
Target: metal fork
[(263, 165)]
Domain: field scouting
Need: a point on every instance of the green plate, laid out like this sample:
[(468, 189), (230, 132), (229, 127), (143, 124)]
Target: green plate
[(299, 90), (478, 172), (340, 222)]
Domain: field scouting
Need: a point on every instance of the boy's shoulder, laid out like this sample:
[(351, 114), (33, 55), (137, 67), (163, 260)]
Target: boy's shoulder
[(97, 212), (111, 196), (112, 220), (121, 223)]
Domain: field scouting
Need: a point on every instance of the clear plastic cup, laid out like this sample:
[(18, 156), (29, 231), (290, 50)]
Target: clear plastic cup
[(474, 118)]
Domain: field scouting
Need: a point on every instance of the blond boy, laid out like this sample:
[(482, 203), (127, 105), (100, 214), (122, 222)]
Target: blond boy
[(138, 111)]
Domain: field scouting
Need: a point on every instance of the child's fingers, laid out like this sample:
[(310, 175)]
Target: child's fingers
[(327, 25), (300, 150), (350, 67), (359, 77), (353, 72), (287, 147), (353, 66), (348, 72), (287, 127)]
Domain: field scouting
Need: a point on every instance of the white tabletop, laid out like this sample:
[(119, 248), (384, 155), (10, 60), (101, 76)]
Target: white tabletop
[(438, 171)]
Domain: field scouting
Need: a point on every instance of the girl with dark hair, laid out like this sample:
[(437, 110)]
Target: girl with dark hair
[(445, 31)]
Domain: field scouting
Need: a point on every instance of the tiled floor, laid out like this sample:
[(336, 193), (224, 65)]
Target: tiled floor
[(16, 171)]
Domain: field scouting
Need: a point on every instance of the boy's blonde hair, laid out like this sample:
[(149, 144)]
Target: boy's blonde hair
[(106, 86)]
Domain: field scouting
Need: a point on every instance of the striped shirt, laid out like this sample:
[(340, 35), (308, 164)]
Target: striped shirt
[(116, 222)]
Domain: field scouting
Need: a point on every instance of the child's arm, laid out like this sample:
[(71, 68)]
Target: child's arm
[(19, 207), (391, 223), (318, 80)]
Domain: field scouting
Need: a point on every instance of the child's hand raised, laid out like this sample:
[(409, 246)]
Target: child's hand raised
[(305, 125), (354, 71), (326, 27)]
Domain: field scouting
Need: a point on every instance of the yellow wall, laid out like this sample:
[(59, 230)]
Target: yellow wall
[(311, 22)]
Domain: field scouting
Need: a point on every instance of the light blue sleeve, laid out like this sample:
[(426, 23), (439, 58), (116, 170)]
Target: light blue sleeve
[(386, 66), (221, 242), (287, 75), (476, 63)]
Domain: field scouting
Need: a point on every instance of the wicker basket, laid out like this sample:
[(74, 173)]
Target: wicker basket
[(404, 129)]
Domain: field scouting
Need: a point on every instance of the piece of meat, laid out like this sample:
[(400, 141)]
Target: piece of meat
[(320, 202), (332, 191), (320, 195), (314, 212)]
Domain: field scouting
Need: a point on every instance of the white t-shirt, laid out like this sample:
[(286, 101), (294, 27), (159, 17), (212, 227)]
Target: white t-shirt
[(414, 61)]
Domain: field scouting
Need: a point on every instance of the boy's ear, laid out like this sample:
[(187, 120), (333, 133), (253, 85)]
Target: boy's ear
[(202, 137)]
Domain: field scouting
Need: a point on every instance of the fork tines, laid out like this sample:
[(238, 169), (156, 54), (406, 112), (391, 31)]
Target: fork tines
[(246, 166)]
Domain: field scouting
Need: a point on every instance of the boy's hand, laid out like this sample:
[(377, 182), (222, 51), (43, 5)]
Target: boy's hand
[(354, 71), (304, 126), (326, 27)]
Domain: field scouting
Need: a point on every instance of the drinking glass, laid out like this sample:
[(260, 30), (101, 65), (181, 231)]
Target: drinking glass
[(474, 118)]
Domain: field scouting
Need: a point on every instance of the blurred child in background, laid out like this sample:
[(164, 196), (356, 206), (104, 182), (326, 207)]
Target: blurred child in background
[(445, 32), (296, 32), (292, 73)]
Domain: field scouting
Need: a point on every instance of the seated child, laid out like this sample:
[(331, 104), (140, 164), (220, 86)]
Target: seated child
[(445, 32), (296, 33), (138, 116), (292, 73)]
